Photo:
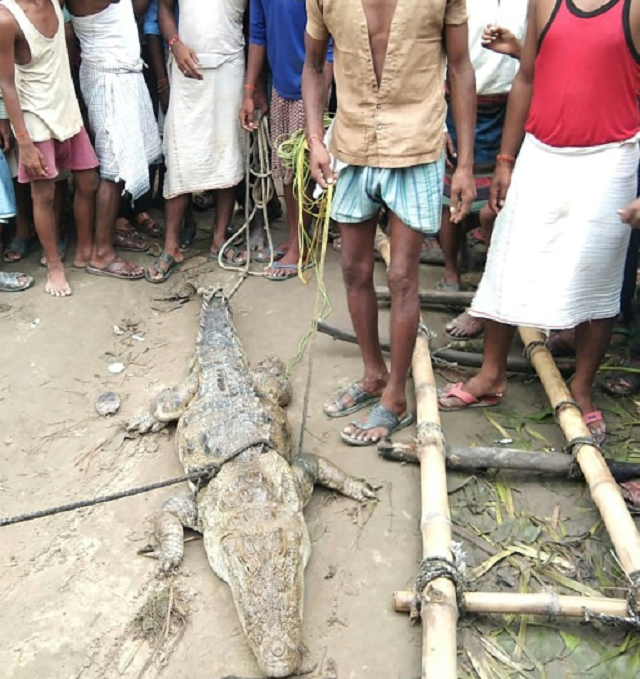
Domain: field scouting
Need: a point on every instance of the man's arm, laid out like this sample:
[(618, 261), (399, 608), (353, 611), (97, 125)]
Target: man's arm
[(254, 89), (30, 157), (140, 7), (462, 83), (314, 97), (186, 58), (517, 111)]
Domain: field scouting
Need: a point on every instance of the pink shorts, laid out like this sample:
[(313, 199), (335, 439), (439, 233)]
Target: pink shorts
[(73, 155)]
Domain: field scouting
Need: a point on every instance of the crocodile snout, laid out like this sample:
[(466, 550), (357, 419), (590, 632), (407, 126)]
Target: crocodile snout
[(279, 659)]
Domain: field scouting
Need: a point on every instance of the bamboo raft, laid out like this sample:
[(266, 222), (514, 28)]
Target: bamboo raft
[(440, 601)]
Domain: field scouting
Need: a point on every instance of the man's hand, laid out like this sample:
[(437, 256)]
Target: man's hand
[(163, 98), (463, 193), (501, 40), (631, 214), (253, 101), (500, 183), (449, 149), (187, 61), (320, 164), (6, 136), (32, 160)]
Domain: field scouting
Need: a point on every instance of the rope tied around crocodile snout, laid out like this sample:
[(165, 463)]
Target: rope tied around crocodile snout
[(435, 567)]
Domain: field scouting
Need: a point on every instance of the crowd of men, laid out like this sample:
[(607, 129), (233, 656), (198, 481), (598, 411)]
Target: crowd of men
[(518, 117)]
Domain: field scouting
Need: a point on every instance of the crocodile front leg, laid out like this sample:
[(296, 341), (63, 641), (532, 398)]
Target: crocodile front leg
[(312, 469), (177, 513)]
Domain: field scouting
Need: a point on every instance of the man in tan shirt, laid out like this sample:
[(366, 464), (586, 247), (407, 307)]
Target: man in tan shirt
[(389, 61)]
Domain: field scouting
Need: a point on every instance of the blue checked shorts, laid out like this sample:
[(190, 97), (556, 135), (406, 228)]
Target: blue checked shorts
[(413, 194)]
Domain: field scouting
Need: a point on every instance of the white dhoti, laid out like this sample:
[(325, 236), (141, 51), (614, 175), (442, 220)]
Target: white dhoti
[(122, 123), (203, 139), (558, 248)]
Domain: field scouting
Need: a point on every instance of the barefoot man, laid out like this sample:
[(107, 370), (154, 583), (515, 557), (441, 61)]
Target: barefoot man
[(558, 250), (121, 120), (36, 83), (389, 60)]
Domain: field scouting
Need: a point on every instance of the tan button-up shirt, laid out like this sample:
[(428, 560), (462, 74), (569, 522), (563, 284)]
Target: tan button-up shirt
[(398, 124)]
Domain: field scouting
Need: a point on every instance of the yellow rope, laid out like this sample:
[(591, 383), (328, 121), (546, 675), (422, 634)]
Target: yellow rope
[(294, 154)]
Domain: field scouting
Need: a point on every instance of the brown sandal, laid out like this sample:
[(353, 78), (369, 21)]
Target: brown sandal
[(126, 238), (144, 222), (117, 268)]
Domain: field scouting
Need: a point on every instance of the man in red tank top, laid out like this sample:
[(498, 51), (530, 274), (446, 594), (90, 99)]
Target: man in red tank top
[(557, 254)]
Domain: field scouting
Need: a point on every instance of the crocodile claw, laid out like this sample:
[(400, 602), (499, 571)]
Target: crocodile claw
[(143, 423), (363, 491)]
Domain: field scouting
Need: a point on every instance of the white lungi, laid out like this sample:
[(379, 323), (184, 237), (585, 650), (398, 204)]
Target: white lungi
[(558, 248), (203, 139)]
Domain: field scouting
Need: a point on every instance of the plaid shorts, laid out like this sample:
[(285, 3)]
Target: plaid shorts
[(286, 117), (413, 194)]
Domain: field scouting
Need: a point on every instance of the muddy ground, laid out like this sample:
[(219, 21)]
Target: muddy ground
[(72, 585)]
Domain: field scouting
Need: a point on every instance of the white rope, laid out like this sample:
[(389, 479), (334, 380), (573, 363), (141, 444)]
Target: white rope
[(259, 187)]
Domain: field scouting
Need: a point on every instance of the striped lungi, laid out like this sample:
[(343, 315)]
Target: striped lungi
[(122, 123), (286, 117), (558, 248), (490, 119)]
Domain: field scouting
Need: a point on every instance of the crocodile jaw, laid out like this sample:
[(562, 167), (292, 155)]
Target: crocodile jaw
[(264, 569)]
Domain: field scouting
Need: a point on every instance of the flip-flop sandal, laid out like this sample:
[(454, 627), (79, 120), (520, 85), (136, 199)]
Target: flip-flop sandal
[(291, 269), (631, 494), (622, 383), (165, 274), (468, 400), (359, 397), (117, 268), (9, 281), (20, 246), (144, 222), (130, 241), (590, 419), (447, 286), (336, 244), (238, 258), (264, 256), (63, 245), (203, 201), (465, 335), (379, 418)]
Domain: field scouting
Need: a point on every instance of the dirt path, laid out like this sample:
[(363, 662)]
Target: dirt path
[(72, 584)]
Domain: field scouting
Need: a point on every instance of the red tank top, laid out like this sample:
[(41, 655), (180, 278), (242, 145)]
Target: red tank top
[(587, 77)]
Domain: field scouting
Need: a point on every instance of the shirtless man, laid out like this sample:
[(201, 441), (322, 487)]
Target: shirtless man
[(558, 263), (121, 119), (389, 60), (36, 83)]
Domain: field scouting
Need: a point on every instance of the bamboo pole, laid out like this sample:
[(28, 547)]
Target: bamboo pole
[(439, 610), (604, 491), (466, 359), (481, 458), (543, 603), (431, 297)]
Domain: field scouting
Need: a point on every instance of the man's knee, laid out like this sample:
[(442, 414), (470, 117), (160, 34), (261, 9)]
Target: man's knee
[(357, 272), (86, 183), (43, 194), (401, 282)]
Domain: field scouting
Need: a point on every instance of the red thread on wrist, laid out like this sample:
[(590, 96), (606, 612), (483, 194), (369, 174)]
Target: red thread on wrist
[(174, 40), (312, 137), (506, 158), (21, 135)]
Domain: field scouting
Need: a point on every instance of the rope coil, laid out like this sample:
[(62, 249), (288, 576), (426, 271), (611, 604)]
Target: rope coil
[(528, 350)]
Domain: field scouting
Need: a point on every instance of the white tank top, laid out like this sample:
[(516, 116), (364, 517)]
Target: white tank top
[(44, 85), (109, 38)]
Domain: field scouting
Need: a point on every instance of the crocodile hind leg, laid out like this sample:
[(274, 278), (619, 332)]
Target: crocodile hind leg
[(177, 513), (311, 470)]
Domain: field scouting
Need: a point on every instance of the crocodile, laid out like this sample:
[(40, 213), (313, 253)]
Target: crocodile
[(231, 421)]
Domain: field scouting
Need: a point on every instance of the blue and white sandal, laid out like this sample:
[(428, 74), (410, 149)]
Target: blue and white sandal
[(379, 418), (358, 396)]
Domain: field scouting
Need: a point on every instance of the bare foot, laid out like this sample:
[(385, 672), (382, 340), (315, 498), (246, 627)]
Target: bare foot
[(57, 285), (465, 327), (479, 387)]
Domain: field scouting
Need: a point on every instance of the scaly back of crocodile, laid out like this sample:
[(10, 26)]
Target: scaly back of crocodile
[(227, 416)]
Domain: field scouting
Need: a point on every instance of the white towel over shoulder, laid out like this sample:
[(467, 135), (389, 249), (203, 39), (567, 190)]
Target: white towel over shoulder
[(558, 249)]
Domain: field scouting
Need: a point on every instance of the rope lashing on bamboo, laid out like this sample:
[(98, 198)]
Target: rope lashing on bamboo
[(531, 346), (632, 619), (430, 430), (435, 567), (561, 405)]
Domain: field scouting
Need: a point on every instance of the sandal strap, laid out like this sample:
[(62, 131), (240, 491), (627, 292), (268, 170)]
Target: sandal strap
[(379, 418), (456, 391)]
